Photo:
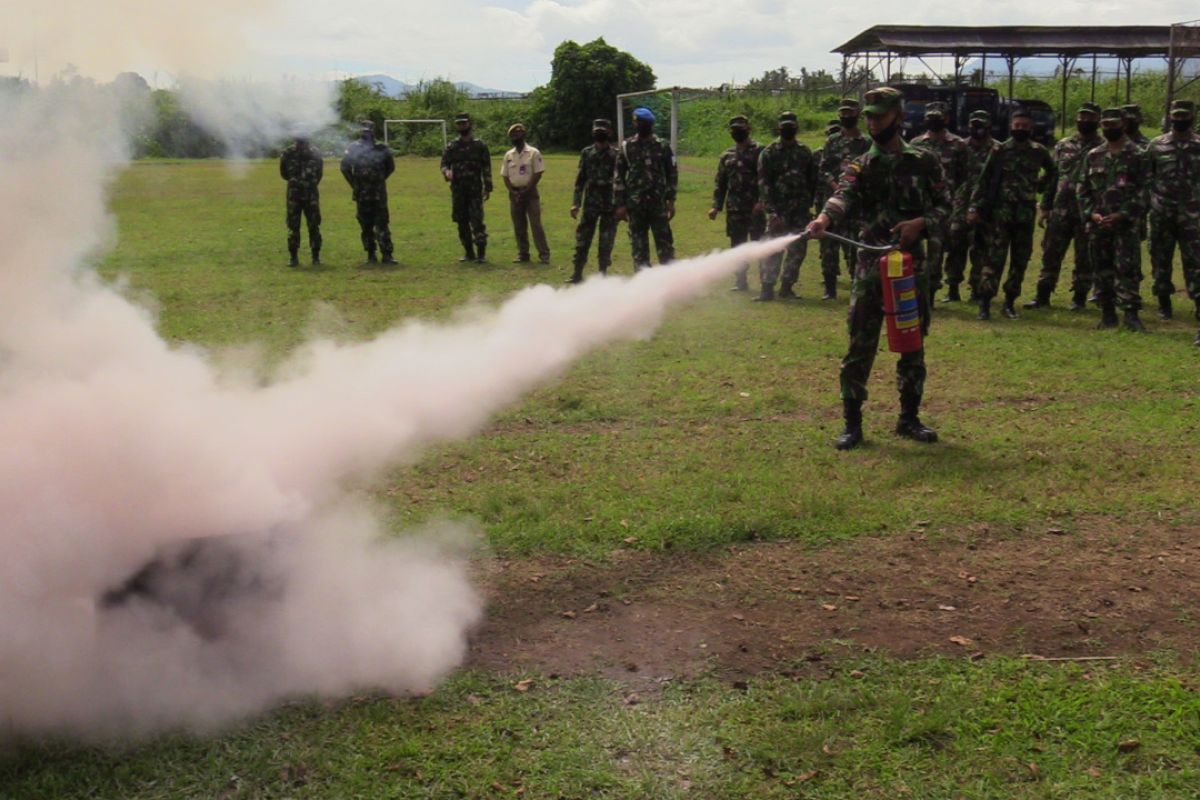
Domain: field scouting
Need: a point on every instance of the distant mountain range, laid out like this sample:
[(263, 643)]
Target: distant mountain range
[(397, 88)]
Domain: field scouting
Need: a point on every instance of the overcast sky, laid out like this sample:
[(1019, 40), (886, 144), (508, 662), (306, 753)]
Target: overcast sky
[(508, 44)]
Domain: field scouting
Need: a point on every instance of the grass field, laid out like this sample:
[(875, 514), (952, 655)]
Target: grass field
[(713, 435)]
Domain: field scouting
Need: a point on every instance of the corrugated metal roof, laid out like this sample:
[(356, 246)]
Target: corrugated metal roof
[(1016, 40)]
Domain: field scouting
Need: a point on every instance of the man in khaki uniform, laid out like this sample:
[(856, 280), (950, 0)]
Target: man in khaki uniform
[(522, 171)]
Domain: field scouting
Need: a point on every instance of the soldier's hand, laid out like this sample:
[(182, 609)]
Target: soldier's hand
[(448, 174), (909, 231), (574, 212), (816, 229), (758, 208), (972, 217), (1043, 217), (712, 213), (486, 195), (670, 210), (621, 213)]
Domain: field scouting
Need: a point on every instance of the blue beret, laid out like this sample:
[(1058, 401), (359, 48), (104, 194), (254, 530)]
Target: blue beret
[(643, 113)]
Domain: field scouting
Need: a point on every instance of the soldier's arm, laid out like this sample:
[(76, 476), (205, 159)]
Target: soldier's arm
[(485, 166), (283, 165), (446, 165), (848, 194), (580, 180), (1139, 204), (389, 163), (764, 182), (814, 180), (619, 181), (348, 168), (979, 190), (320, 165), (670, 172), (720, 185), (1049, 180), (1083, 193), (938, 201)]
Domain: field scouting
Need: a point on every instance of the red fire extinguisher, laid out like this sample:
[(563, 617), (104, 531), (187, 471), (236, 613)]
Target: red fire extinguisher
[(900, 303)]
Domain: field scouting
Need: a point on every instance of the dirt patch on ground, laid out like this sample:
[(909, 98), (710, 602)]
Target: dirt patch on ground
[(1097, 589)]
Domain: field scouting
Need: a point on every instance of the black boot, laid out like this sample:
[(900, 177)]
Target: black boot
[(852, 436), (932, 297), (1108, 315), (481, 252), (830, 288), (371, 259), (604, 269), (952, 295), (1133, 322), (1165, 311), (741, 281), (577, 275), (294, 260), (1010, 310), (1079, 301), (468, 251), (316, 257), (985, 308), (1042, 300), (910, 426), (388, 260), (786, 293), (767, 294)]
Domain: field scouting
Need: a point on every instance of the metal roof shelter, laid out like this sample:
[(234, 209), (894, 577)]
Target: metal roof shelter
[(1011, 43)]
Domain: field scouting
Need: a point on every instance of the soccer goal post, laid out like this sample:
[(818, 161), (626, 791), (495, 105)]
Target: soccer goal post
[(388, 122), (673, 91)]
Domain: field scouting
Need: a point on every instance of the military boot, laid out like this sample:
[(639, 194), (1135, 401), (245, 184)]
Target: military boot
[(1042, 300), (1079, 301), (371, 259), (830, 288), (786, 293), (852, 436), (481, 253), (294, 257), (952, 295), (910, 426), (388, 260), (316, 256), (1108, 315), (577, 275), (1133, 322), (766, 294), (1165, 311), (1010, 309), (741, 281), (985, 308)]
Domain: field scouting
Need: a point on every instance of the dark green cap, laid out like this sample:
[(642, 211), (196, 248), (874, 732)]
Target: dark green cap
[(850, 104), (1112, 115), (601, 125), (883, 100), (1089, 108), (979, 115), (1132, 111), (788, 118), (462, 116), (739, 121), (1183, 109)]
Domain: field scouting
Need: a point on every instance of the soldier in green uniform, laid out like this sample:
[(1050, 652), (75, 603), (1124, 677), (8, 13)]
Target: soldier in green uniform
[(1174, 162), (842, 147), (892, 191), (644, 192), (735, 189), (966, 238), (1005, 196), (1062, 222), (302, 166), (1113, 193), (951, 151), (787, 180), (467, 167), (594, 193), (366, 167)]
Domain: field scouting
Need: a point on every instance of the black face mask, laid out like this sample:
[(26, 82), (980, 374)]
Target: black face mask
[(740, 134), (1021, 136), (645, 128), (978, 132), (1088, 128), (464, 131), (887, 134), (848, 122), (787, 133), (1114, 134), (1132, 128), (1181, 125), (599, 136), (935, 124)]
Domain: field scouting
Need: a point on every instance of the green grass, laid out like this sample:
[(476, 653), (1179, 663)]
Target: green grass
[(1041, 419)]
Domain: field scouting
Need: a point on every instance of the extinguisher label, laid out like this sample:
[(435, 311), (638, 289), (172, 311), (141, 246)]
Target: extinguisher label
[(895, 264)]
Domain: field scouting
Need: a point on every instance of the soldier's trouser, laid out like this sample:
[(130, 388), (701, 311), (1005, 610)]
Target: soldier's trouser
[(1166, 230), (310, 209), (1003, 236), (467, 211), (742, 227), (935, 255), (526, 210), (1064, 227), (866, 322), (958, 243), (643, 221), (373, 219), (791, 258), (1117, 259), (831, 254), (589, 220)]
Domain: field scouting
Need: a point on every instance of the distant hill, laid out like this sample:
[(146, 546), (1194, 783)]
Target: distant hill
[(397, 88)]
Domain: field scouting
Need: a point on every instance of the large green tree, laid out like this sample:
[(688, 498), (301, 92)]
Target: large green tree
[(584, 83)]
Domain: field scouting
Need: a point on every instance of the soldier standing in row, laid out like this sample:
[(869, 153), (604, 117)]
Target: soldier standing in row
[(1113, 182), (841, 147), (965, 238), (951, 152), (366, 167), (302, 166), (1063, 223), (594, 192), (1006, 198), (1174, 162), (893, 191), (644, 192), (735, 190), (467, 167), (787, 179)]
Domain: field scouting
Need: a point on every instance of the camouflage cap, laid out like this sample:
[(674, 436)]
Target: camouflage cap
[(739, 121), (601, 125), (462, 116), (1089, 108), (788, 118), (883, 100), (1184, 109), (1132, 111), (832, 129), (837, 122), (850, 104), (979, 115), (1112, 115)]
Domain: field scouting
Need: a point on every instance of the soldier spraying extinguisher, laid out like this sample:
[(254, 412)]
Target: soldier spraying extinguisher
[(897, 194)]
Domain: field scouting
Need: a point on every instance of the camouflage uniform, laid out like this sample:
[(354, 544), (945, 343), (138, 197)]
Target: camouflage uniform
[(366, 167), (303, 169), (787, 180), (1174, 165), (594, 194), (1110, 183), (735, 189), (840, 149), (647, 178), (1064, 225), (1131, 116), (965, 239), (951, 151), (1006, 197), (471, 164)]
